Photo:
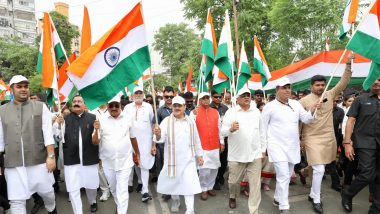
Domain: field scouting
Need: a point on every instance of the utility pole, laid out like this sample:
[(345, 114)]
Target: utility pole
[(234, 3)]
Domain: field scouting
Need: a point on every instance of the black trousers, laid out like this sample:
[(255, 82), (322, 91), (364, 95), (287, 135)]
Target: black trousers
[(369, 172), (331, 168), (223, 163)]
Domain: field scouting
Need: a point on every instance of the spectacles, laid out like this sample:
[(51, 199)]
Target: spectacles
[(245, 95), (217, 97), (114, 105), (169, 97)]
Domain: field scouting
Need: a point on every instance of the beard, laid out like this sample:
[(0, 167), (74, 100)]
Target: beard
[(139, 99)]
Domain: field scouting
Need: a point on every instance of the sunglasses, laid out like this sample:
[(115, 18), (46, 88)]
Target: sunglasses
[(169, 97), (189, 101), (114, 105), (217, 97)]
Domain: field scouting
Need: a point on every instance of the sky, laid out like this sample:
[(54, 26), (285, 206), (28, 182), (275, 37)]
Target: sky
[(106, 13)]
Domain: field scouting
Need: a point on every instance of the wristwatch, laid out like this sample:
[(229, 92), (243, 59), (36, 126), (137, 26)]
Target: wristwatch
[(52, 156)]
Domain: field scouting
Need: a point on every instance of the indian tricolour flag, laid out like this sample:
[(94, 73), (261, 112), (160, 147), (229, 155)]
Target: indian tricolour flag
[(259, 63), (65, 86), (349, 18), (51, 50), (116, 60), (366, 42), (244, 73), (209, 46), (224, 60), (201, 81)]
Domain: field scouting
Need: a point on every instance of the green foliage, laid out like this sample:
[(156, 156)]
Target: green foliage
[(67, 32), (35, 84), (284, 27), (160, 81), (179, 47), (16, 58)]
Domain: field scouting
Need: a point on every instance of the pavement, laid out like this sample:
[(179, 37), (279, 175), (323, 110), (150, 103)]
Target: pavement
[(219, 204)]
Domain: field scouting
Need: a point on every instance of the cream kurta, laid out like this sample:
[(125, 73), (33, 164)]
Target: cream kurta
[(319, 137), (186, 181)]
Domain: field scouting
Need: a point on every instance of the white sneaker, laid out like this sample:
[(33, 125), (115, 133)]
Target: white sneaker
[(105, 196), (175, 206)]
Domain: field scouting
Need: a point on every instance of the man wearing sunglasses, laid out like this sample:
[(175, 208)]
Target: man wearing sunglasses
[(189, 98), (280, 120), (222, 109), (80, 152), (114, 132), (142, 115), (246, 148), (179, 134), (362, 133)]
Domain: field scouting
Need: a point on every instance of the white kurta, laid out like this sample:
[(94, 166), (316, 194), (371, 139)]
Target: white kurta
[(186, 181), (281, 124), (78, 176), (142, 129), (115, 137), (22, 181)]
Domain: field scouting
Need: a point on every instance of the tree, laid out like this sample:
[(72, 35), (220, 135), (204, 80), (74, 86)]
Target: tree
[(306, 24), (179, 47), (17, 58), (35, 84)]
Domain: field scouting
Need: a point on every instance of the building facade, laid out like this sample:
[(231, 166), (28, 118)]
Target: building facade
[(17, 19)]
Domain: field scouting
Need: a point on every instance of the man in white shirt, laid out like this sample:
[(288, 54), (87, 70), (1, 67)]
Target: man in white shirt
[(142, 116), (280, 119), (99, 112), (246, 147), (182, 146), (118, 144)]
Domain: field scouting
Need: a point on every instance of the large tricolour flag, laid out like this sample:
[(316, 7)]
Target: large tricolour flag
[(301, 72), (209, 46), (349, 18), (65, 86), (116, 60), (244, 73), (259, 62), (366, 42), (224, 60)]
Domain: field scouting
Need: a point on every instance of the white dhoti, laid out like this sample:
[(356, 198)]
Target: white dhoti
[(22, 182), (118, 183)]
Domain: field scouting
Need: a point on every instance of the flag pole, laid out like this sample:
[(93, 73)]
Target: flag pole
[(153, 94), (234, 2)]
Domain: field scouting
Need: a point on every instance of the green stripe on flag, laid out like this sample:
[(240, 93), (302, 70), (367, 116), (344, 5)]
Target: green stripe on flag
[(208, 49), (222, 61), (374, 73), (59, 53), (365, 45), (125, 72), (244, 76), (221, 86), (258, 66)]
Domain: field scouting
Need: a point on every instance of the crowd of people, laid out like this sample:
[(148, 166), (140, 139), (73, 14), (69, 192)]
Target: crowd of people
[(193, 145)]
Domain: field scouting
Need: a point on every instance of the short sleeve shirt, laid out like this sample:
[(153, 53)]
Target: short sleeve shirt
[(366, 110)]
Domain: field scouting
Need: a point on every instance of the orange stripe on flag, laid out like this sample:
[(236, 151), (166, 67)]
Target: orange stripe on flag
[(48, 67), (256, 43), (86, 32), (188, 80), (209, 20), (119, 31), (353, 11)]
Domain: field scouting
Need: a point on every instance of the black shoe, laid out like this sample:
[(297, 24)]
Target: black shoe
[(139, 188), (130, 189), (216, 186), (53, 212), (346, 202), (145, 197), (276, 203), (166, 197), (292, 183), (38, 204), (312, 200), (94, 207), (317, 207), (337, 188), (56, 187)]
